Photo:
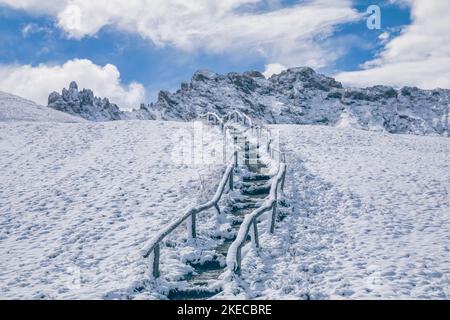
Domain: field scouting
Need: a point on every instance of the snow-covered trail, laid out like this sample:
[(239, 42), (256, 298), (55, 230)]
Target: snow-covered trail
[(369, 213), (77, 201), (371, 218)]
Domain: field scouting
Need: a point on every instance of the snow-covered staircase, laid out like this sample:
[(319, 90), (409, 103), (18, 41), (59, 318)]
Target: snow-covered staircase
[(253, 180), (254, 185)]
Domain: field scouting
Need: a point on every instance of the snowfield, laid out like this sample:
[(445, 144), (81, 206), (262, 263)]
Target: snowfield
[(14, 108), (370, 219), (368, 215), (78, 202)]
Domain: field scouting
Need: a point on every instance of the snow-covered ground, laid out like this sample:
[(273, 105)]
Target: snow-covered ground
[(369, 213), (370, 219), (14, 108), (78, 201)]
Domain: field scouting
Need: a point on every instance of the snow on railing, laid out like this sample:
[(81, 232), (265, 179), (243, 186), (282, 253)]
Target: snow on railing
[(250, 223), (237, 115), (213, 118), (152, 248), (245, 118)]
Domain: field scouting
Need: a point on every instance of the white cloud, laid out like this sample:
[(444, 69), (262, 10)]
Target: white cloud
[(419, 56), (384, 37), (273, 68), (291, 36), (35, 83), (427, 74)]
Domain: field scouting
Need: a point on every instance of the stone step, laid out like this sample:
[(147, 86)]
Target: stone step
[(257, 177), (256, 190)]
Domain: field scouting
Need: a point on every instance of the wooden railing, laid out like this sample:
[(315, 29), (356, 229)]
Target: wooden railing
[(152, 248), (239, 117), (213, 118), (250, 223)]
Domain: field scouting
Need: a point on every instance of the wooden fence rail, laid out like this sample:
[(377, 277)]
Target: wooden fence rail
[(152, 248), (250, 223)]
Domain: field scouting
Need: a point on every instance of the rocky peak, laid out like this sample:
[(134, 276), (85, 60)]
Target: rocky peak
[(203, 75), (303, 96), (84, 104), (305, 77), (73, 86)]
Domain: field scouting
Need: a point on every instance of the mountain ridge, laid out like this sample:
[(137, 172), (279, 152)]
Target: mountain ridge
[(298, 96)]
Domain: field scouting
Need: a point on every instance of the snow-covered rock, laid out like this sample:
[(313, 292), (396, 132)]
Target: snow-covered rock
[(14, 108), (295, 96), (302, 96), (84, 104)]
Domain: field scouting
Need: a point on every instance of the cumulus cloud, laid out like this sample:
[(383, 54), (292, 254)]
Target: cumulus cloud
[(419, 56), (291, 36), (36, 82), (273, 68)]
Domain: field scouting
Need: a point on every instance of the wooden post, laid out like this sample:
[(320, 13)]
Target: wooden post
[(193, 226), (235, 159), (155, 262), (237, 268), (258, 142), (274, 215), (284, 177), (255, 233), (217, 208), (231, 180)]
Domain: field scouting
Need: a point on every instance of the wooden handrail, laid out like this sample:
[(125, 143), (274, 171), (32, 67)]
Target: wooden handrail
[(152, 248), (234, 255)]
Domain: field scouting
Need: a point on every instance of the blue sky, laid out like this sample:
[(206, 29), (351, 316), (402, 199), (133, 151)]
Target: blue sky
[(32, 36)]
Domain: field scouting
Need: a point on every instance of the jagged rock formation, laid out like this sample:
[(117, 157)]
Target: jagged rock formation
[(302, 96), (84, 104), (295, 96)]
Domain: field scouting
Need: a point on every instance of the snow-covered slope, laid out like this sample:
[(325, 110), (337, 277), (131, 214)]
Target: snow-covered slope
[(14, 108), (78, 201), (302, 96), (371, 219)]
